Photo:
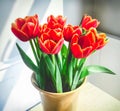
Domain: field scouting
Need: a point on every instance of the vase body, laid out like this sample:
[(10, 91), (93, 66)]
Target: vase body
[(67, 101)]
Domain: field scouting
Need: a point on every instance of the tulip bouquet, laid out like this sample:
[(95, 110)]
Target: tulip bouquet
[(60, 50)]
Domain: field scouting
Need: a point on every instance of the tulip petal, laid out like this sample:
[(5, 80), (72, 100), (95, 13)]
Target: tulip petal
[(77, 31), (44, 37), (36, 29), (94, 23), (85, 19), (49, 44), (88, 22), (67, 32), (32, 19), (86, 41), (87, 51), (101, 40), (25, 29), (18, 33), (76, 51), (55, 35), (94, 31), (42, 46), (61, 19), (30, 27), (58, 46), (56, 22), (75, 39), (19, 22)]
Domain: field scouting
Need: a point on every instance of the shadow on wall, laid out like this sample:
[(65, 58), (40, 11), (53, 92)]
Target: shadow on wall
[(75, 9), (108, 12), (5, 12)]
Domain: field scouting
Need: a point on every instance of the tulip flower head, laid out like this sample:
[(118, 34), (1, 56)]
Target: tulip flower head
[(87, 22), (26, 28)]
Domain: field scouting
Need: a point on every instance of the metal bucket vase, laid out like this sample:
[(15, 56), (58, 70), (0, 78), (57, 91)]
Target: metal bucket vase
[(67, 101)]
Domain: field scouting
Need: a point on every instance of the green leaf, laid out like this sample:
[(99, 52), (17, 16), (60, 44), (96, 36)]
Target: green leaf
[(41, 76), (58, 79), (75, 60), (78, 73), (81, 63), (64, 51), (66, 58), (27, 60), (84, 72), (40, 81), (50, 66), (95, 69), (49, 63), (75, 81), (99, 69), (59, 60), (70, 73)]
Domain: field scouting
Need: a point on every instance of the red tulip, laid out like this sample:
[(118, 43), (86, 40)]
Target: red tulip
[(87, 22), (56, 22), (26, 28), (51, 42), (83, 45), (100, 39), (69, 30)]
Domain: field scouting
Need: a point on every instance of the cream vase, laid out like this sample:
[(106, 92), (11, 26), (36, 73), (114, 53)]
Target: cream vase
[(67, 101)]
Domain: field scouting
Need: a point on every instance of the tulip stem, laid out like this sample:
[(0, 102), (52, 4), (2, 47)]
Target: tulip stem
[(53, 58), (37, 48), (34, 52)]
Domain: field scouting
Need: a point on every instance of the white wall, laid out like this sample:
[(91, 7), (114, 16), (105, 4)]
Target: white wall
[(108, 12), (75, 9)]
